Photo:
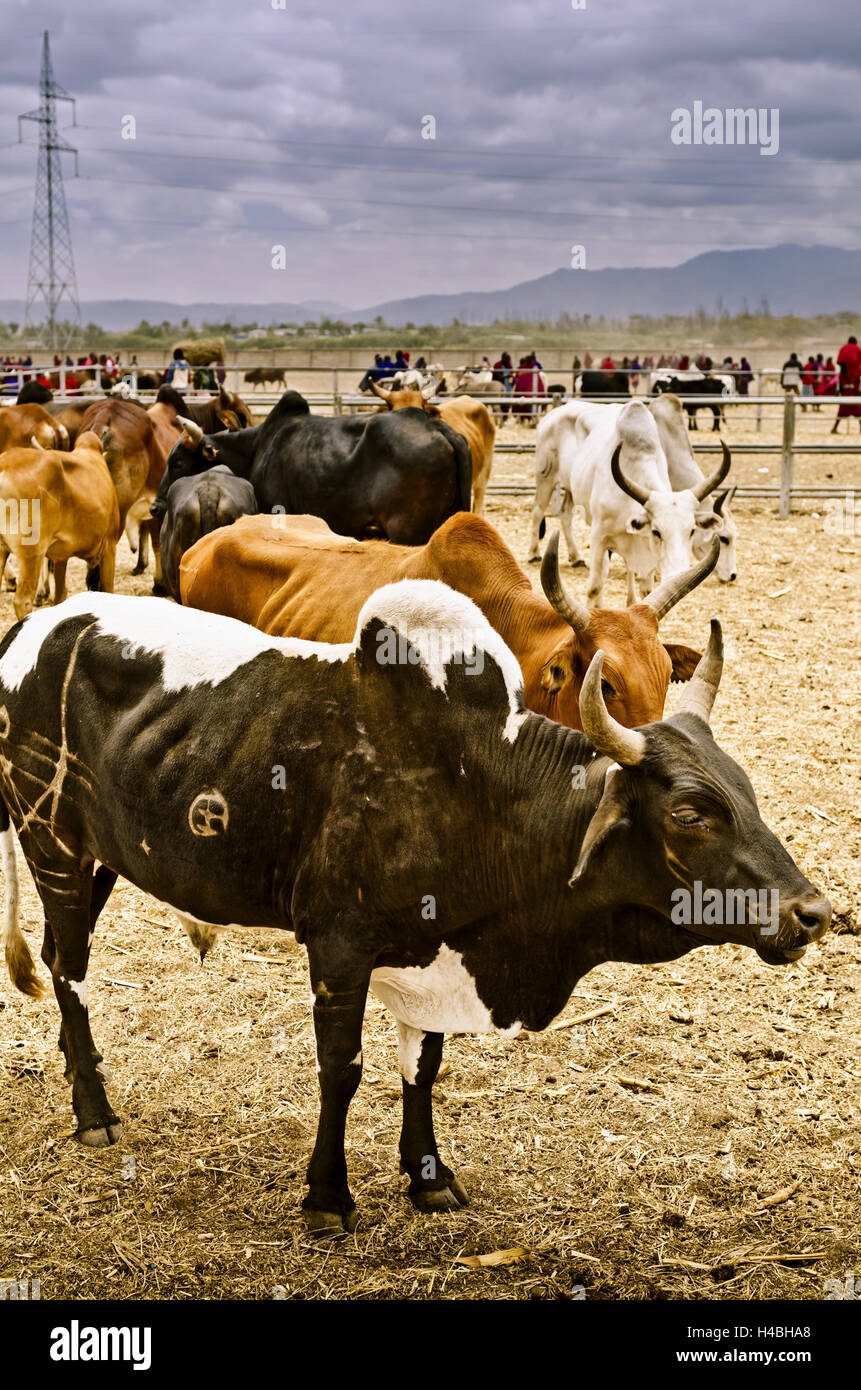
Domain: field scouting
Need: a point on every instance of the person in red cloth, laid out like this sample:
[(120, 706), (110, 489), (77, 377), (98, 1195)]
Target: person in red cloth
[(808, 377), (608, 365), (849, 366)]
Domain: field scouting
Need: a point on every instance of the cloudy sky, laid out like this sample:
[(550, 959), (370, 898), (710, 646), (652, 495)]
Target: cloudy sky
[(267, 122)]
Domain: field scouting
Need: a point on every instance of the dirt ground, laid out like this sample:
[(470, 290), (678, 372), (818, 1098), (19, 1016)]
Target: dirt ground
[(697, 1137)]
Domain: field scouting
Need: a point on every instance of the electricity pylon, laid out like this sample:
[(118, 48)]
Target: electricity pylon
[(51, 278)]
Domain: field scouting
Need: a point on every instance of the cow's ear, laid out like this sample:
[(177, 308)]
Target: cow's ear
[(614, 811), (707, 520), (556, 672), (685, 660)]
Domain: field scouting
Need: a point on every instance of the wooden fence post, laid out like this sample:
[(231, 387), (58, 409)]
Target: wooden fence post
[(787, 461)]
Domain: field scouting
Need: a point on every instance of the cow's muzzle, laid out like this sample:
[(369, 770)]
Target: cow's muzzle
[(802, 921)]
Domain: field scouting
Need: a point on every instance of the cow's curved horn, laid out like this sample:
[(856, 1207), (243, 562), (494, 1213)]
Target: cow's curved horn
[(36, 445), (709, 484), (576, 614), (627, 746), (383, 395), (429, 390), (192, 429), (668, 594), (724, 499), (639, 494), (699, 694)]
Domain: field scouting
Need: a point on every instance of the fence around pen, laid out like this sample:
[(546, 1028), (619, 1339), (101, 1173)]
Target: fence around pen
[(340, 402)]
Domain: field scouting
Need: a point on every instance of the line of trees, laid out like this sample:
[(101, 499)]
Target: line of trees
[(581, 332)]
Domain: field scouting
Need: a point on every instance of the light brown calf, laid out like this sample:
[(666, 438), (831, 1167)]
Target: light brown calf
[(57, 506)]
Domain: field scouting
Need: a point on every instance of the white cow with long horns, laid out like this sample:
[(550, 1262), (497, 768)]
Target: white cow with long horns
[(610, 461)]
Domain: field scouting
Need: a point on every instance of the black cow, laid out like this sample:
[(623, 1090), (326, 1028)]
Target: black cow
[(397, 476), (391, 803), (196, 506), (34, 392), (684, 386), (603, 383)]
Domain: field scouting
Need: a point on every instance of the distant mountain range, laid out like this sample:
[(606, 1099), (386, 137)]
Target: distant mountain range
[(802, 280)]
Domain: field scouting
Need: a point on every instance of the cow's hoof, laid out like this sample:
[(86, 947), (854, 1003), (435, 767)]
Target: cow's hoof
[(158, 589), (534, 559), (449, 1198), (138, 569), (100, 1138), (577, 564), (329, 1225)]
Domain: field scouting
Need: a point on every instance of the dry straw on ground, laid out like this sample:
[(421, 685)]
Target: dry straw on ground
[(695, 1136)]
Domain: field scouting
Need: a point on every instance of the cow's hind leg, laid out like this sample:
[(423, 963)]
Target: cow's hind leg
[(339, 981), (433, 1186), (71, 901), (103, 883)]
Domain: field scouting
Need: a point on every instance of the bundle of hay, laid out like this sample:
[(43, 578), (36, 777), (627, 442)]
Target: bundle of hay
[(199, 352)]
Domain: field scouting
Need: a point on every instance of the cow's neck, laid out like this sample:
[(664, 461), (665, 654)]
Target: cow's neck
[(540, 810), (526, 623), (243, 445)]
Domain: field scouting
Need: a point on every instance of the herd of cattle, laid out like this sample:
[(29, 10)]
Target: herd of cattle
[(360, 723)]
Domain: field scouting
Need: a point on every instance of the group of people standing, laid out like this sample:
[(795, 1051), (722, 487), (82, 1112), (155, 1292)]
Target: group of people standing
[(820, 377)]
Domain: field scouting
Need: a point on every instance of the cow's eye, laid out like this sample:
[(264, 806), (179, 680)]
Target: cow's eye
[(607, 690), (724, 540), (687, 817), (656, 534)]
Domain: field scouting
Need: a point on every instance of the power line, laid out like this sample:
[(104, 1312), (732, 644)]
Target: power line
[(434, 148), (495, 211), (453, 173)]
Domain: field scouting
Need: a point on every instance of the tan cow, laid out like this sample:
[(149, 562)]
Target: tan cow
[(21, 424), (469, 417), (293, 577), (57, 506)]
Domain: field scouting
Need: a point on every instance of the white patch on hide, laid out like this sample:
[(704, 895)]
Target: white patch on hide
[(438, 998)]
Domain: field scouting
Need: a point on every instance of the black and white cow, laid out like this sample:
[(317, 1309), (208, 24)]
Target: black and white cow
[(392, 803)]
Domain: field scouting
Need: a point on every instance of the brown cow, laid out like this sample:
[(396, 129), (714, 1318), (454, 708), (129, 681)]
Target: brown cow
[(55, 506), (292, 576), (260, 376), (469, 417), (21, 424), (135, 451)]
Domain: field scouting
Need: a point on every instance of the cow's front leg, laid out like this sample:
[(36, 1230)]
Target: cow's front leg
[(599, 568), (433, 1186), (339, 983), (566, 521)]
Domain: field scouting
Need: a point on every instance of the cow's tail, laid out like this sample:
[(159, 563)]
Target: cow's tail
[(22, 969)]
